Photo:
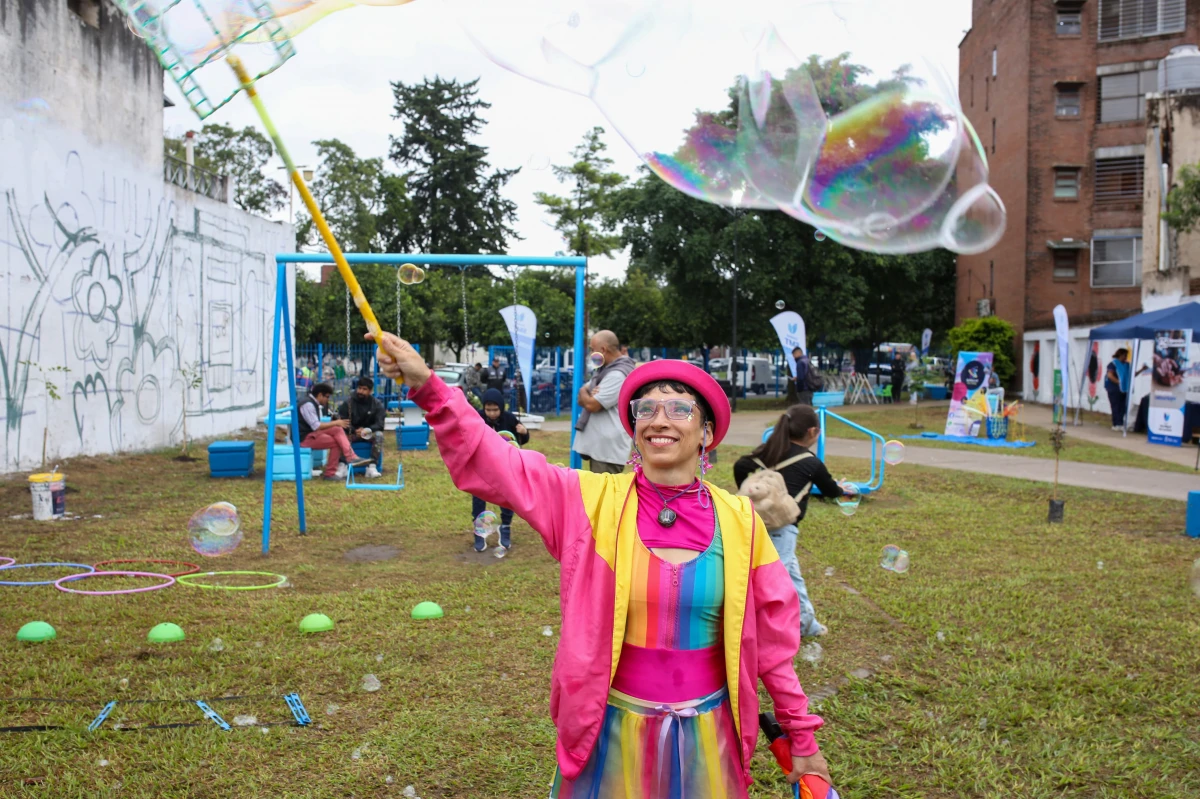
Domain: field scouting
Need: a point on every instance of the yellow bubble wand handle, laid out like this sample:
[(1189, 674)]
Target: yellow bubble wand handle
[(310, 203)]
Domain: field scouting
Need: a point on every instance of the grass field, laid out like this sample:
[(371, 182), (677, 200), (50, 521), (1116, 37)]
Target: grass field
[(1006, 659)]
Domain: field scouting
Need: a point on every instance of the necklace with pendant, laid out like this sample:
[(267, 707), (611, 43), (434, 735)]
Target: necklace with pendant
[(666, 516)]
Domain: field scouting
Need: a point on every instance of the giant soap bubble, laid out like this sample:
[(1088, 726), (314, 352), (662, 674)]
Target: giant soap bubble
[(756, 107), (215, 530)]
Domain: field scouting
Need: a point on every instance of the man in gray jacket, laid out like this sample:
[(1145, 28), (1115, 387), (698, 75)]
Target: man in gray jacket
[(600, 437)]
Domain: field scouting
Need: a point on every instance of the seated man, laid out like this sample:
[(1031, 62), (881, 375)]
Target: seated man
[(366, 415), (316, 434)]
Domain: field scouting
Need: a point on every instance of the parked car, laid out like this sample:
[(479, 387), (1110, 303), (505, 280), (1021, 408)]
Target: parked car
[(755, 374)]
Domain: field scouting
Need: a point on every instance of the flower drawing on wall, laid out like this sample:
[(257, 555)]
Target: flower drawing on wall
[(97, 295)]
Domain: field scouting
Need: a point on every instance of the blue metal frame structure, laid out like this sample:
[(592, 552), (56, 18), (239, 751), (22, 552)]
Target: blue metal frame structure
[(282, 320)]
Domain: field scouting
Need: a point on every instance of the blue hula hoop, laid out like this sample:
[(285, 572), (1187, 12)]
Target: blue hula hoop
[(86, 569)]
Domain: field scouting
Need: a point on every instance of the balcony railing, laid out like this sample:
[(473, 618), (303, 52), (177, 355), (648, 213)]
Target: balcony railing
[(193, 178)]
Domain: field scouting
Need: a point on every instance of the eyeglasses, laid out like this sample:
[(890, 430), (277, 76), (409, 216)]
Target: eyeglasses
[(677, 410)]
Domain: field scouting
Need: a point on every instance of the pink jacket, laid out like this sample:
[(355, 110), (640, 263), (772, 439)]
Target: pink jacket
[(588, 523)]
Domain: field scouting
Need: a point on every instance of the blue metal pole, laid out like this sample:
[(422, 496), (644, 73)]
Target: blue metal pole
[(287, 340), (434, 260), (821, 439), (320, 362), (276, 320), (577, 372)]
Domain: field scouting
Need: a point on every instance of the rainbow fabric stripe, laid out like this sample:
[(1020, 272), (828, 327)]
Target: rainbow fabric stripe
[(696, 758), (676, 606)]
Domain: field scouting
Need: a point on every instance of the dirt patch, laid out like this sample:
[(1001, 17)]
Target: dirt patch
[(372, 553), (184, 459)]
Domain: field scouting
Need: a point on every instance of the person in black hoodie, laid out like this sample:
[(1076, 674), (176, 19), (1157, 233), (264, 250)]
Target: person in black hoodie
[(366, 416), (500, 420)]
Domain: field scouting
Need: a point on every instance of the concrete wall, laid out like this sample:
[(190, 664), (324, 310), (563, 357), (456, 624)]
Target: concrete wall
[(105, 270), (1173, 128)]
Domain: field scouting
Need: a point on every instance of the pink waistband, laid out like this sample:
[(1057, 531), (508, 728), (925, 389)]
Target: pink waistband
[(669, 675)]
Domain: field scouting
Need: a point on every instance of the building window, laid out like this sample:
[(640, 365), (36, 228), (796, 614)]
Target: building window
[(1117, 263), (1069, 22), (1119, 180), (1123, 96), (1066, 183), (1066, 264), (1068, 100), (1129, 19), (86, 10)]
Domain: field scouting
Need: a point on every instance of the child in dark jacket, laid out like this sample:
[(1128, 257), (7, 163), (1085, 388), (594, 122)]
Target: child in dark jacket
[(501, 421)]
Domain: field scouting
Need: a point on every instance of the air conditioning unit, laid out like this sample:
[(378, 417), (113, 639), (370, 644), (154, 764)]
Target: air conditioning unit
[(983, 308)]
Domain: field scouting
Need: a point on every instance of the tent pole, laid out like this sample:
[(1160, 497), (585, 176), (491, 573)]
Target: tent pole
[(1137, 350)]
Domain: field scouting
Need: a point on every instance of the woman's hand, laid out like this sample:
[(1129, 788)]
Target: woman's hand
[(813, 764), (399, 361), (521, 429)]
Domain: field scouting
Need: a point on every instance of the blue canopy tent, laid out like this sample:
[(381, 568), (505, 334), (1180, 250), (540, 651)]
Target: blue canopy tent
[(1142, 328)]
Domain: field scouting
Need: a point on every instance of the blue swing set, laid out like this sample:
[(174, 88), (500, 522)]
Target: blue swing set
[(282, 329), (875, 481)]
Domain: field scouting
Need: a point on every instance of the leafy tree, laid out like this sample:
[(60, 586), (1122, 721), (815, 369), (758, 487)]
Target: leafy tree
[(1183, 201), (586, 219), (456, 200), (241, 154), (348, 192), (987, 334)]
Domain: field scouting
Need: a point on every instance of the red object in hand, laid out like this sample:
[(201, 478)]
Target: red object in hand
[(813, 787)]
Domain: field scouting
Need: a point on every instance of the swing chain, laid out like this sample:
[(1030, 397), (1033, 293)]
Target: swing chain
[(347, 322), (462, 279), (398, 304)]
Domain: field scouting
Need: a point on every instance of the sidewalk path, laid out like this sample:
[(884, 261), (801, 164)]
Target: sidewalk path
[(746, 430)]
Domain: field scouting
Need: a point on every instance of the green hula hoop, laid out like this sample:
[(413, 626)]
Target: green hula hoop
[(188, 579)]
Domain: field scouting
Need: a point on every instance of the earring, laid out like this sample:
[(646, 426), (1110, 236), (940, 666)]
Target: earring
[(635, 460), (704, 463)]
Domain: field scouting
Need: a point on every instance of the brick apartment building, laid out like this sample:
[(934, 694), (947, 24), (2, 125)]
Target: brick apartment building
[(1056, 90)]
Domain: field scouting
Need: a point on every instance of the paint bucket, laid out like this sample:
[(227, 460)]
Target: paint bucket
[(1055, 516), (49, 492)]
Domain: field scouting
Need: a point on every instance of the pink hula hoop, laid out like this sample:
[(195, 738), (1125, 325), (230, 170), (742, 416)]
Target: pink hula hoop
[(72, 577), (10, 562)]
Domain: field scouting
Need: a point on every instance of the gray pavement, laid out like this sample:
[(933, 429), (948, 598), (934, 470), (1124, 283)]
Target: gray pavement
[(746, 430)]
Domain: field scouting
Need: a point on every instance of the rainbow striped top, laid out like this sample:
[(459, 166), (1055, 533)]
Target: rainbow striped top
[(676, 605)]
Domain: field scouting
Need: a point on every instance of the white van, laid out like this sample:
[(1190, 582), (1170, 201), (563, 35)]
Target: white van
[(755, 375)]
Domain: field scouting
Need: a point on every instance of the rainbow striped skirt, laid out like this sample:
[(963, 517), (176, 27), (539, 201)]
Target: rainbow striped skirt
[(682, 750)]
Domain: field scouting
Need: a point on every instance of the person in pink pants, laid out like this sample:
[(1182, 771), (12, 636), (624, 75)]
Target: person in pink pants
[(331, 435)]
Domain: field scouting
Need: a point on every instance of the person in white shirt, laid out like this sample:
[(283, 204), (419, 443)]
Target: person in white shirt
[(600, 437)]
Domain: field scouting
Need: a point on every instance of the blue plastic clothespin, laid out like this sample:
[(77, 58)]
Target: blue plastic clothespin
[(95, 725), (297, 707), (212, 714)]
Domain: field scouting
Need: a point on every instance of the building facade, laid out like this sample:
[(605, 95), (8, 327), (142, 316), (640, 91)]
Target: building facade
[(115, 281), (1057, 91)]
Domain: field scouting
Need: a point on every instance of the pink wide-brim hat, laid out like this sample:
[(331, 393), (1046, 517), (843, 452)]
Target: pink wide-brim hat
[(681, 372)]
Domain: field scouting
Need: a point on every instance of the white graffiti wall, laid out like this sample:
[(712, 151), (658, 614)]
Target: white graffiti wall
[(113, 284)]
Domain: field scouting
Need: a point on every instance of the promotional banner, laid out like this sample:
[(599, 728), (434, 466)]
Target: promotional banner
[(1062, 373), (522, 328), (790, 329), (1168, 391), (969, 400), (926, 339)]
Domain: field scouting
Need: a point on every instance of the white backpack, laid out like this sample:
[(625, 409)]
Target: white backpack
[(768, 491)]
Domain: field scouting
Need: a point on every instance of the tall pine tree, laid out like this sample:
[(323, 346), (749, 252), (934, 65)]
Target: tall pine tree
[(587, 218)]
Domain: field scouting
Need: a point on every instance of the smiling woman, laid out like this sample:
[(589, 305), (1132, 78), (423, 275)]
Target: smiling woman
[(674, 601)]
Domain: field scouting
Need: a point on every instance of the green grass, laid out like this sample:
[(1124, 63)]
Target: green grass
[(1051, 676)]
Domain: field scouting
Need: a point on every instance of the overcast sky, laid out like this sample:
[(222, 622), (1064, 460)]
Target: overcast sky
[(337, 84)]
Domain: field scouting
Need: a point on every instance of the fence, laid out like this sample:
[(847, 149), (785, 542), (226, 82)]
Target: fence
[(193, 178)]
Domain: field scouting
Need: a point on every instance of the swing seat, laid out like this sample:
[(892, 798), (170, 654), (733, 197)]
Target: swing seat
[(399, 484)]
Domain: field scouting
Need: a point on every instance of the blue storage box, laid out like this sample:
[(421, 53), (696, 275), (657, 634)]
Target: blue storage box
[(285, 463), (320, 458), (230, 458), (934, 392), (363, 450), (413, 437)]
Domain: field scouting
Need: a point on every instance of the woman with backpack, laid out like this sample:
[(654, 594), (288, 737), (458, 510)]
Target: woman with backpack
[(779, 476)]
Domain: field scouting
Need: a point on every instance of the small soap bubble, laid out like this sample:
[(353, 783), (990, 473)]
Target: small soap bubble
[(258, 644), (331, 708), (467, 609), (500, 552), (597, 360), (828, 571), (893, 453), (410, 274), (848, 502), (780, 305), (217, 645), (410, 792), (1100, 565), (819, 235), (486, 523), (901, 564), (264, 730), (102, 763), (244, 721), (888, 559), (356, 754), (216, 530), (547, 631), (812, 652), (983, 723), (123, 684), (370, 683), (941, 635), (389, 780)]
